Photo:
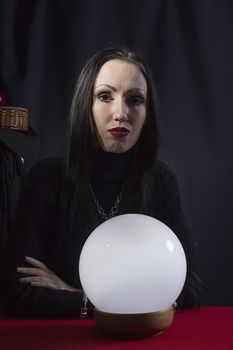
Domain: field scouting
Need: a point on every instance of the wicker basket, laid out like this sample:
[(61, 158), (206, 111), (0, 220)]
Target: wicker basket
[(14, 118)]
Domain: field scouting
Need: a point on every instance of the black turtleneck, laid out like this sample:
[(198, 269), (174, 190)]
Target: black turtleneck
[(43, 229), (109, 176)]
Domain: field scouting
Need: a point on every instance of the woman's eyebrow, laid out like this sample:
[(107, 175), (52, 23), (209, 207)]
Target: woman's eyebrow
[(106, 85), (137, 89), (114, 89)]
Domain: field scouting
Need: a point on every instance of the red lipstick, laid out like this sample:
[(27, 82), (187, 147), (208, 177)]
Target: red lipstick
[(119, 132)]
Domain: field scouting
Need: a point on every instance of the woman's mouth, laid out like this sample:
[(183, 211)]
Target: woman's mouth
[(119, 132)]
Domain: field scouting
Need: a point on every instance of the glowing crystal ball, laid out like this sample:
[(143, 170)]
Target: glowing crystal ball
[(132, 263)]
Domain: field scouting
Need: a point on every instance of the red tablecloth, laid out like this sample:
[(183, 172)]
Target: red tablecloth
[(209, 328)]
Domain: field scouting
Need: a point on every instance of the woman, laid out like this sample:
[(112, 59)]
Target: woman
[(110, 168)]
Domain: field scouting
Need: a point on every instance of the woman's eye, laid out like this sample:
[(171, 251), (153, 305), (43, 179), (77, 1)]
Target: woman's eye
[(104, 96), (135, 100)]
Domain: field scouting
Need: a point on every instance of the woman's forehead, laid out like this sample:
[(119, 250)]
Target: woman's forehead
[(116, 71)]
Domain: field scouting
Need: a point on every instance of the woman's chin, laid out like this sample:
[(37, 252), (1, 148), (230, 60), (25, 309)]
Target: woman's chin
[(116, 148)]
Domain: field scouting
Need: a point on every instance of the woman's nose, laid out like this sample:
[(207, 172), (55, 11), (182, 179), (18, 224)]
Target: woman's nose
[(121, 117), (120, 112)]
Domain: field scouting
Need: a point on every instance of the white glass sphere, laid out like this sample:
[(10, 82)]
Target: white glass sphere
[(132, 263)]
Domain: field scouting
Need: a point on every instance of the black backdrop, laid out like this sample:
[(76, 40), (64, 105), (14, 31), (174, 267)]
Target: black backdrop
[(189, 46)]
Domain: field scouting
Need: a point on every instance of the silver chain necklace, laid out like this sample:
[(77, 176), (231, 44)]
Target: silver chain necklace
[(113, 210)]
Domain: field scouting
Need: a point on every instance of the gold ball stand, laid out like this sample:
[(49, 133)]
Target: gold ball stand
[(134, 326)]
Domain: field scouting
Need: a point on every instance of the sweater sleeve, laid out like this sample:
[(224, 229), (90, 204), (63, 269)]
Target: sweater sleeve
[(172, 215), (30, 235)]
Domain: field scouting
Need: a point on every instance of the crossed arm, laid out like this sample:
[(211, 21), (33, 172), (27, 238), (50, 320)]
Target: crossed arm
[(39, 275)]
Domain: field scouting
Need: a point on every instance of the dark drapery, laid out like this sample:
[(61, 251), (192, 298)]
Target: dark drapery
[(188, 44)]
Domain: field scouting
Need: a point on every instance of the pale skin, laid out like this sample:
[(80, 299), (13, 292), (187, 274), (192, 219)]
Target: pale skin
[(41, 276), (119, 101)]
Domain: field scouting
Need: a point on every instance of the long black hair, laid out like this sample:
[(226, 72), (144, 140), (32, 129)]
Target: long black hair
[(82, 136)]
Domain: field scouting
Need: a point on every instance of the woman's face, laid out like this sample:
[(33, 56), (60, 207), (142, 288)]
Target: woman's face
[(119, 105)]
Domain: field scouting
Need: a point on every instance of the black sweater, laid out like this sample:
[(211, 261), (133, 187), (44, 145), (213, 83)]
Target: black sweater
[(44, 229)]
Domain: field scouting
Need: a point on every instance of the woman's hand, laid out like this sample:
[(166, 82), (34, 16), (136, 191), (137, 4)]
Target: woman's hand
[(40, 276)]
